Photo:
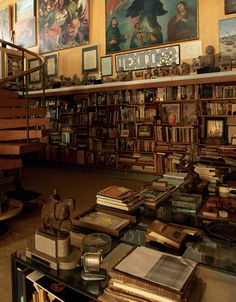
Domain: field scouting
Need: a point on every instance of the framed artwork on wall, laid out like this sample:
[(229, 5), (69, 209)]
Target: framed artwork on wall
[(5, 23), (51, 69), (154, 57), (230, 6), (24, 9), (132, 24), (13, 65), (227, 36), (26, 33), (106, 66), (34, 77), (90, 59), (62, 24)]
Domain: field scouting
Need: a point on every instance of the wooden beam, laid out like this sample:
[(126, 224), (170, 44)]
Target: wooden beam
[(22, 123)]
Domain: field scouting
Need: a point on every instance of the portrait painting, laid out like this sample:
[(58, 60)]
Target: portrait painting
[(230, 6), (25, 33), (62, 24), (227, 36), (172, 112), (132, 24), (5, 23)]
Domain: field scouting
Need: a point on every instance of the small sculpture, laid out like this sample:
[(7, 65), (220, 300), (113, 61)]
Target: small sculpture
[(174, 69), (185, 68), (55, 212), (148, 73), (155, 72), (75, 80), (225, 63), (209, 62), (121, 75), (163, 70)]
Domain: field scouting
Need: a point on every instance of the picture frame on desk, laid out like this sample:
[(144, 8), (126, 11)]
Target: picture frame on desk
[(215, 130)]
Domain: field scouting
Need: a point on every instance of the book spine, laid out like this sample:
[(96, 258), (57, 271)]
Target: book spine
[(116, 275)]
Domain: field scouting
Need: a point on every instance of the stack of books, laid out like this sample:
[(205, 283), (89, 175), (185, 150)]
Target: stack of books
[(121, 201), (186, 203), (157, 277), (152, 196)]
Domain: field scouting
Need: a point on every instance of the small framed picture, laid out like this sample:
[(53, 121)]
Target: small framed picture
[(34, 77), (170, 113), (51, 69), (145, 131), (13, 65), (90, 59), (230, 6), (233, 140), (106, 66), (215, 130), (189, 113)]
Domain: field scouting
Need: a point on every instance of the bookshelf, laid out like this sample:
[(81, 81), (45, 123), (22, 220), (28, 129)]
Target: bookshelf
[(144, 125)]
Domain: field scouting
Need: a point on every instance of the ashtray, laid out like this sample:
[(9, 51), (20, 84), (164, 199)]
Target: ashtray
[(97, 242)]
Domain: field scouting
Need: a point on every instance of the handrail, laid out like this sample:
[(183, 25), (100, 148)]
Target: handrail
[(25, 72)]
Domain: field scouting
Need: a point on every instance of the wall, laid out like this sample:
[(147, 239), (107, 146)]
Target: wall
[(210, 12)]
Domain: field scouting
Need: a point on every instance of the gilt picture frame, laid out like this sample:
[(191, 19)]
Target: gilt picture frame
[(133, 24), (5, 23), (215, 130)]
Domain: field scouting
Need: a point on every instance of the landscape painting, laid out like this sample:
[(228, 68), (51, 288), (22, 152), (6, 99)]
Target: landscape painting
[(132, 24), (227, 35), (62, 24)]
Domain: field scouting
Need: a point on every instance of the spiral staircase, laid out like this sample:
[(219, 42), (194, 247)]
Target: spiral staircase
[(22, 122)]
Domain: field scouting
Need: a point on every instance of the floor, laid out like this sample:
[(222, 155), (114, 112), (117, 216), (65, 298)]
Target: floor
[(69, 182)]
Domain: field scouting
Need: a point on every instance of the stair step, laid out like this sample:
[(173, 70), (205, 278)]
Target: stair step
[(20, 112), (19, 148), (22, 123), (9, 135), (10, 163)]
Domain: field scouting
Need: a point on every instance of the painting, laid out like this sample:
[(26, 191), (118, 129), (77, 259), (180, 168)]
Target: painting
[(5, 23), (189, 113), (90, 59), (13, 65), (51, 69), (227, 35), (132, 24), (62, 24), (230, 6), (34, 77), (172, 112), (215, 130), (106, 66), (25, 33), (24, 9)]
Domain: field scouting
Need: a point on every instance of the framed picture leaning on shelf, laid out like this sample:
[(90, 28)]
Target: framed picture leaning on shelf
[(171, 112), (215, 130), (90, 59), (132, 24), (106, 66), (189, 113)]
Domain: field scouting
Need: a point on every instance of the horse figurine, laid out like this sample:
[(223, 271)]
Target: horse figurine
[(55, 212)]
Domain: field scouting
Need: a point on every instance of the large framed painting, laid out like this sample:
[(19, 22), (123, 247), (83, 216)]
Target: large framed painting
[(227, 36), (5, 23), (62, 24), (134, 24), (24, 9), (26, 33), (230, 6)]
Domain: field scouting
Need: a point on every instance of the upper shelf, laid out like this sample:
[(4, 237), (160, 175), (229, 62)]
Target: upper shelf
[(206, 78)]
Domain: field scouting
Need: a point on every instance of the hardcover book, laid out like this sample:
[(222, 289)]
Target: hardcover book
[(165, 274), (165, 234)]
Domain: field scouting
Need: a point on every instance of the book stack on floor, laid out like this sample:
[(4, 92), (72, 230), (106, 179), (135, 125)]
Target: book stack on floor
[(159, 277), (165, 234), (152, 196), (120, 201)]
